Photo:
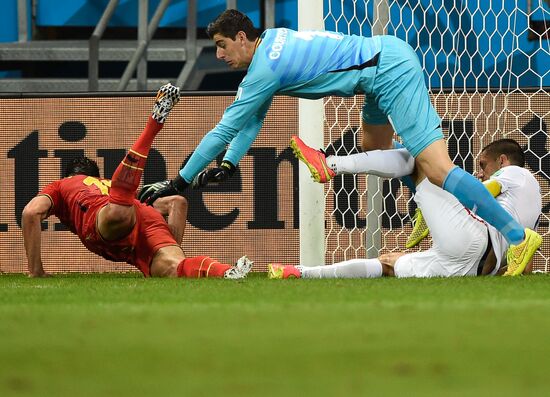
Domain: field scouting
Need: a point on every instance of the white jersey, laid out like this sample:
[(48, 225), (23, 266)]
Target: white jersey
[(520, 196), (459, 237)]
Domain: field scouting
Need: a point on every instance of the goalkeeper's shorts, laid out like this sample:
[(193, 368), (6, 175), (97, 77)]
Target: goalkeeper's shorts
[(399, 95)]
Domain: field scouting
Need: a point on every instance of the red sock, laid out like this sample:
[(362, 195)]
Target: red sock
[(201, 266), (127, 176)]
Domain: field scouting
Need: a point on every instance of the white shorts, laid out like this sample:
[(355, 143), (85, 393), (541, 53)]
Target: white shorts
[(459, 237)]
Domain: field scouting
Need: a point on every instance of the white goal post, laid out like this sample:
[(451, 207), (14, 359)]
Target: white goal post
[(310, 127), (311, 115), (486, 67)]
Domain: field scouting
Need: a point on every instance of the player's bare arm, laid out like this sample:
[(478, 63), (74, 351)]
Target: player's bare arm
[(388, 262), (174, 209), (490, 263), (33, 214)]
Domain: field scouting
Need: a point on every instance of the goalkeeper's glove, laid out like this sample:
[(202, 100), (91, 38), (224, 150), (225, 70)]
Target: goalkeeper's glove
[(149, 193), (214, 175)]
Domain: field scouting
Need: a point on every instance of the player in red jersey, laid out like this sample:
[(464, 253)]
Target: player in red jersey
[(111, 222)]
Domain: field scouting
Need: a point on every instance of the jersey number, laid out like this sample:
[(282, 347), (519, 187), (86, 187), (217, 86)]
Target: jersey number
[(102, 184), (310, 34)]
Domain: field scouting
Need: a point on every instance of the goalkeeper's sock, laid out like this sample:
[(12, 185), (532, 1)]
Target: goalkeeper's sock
[(473, 195), (354, 268), (127, 176), (389, 163), (201, 266)]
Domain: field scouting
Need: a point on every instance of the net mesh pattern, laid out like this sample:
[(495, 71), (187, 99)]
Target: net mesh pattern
[(487, 71)]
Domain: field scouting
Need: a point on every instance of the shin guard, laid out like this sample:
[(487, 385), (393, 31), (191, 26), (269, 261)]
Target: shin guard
[(201, 266)]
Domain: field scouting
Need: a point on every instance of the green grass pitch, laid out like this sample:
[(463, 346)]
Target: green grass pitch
[(122, 335)]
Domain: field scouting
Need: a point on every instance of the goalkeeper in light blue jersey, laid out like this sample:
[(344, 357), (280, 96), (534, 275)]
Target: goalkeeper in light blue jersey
[(316, 64)]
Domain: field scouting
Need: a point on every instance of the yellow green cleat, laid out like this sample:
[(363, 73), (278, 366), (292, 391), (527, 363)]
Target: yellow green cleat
[(518, 256), (420, 230)]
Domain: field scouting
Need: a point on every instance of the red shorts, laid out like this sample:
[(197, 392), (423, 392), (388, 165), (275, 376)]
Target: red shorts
[(150, 233)]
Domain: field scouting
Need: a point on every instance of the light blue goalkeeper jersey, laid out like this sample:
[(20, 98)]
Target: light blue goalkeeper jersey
[(306, 64)]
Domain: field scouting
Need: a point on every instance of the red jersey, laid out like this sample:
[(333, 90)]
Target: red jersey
[(72, 197), (77, 200)]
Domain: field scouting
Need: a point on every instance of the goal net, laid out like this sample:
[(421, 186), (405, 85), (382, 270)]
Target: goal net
[(486, 66)]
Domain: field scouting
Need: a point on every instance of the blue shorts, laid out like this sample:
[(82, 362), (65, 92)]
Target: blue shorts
[(399, 92)]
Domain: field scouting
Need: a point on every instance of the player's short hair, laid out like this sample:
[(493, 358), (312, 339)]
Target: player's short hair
[(231, 22), (82, 166), (508, 147)]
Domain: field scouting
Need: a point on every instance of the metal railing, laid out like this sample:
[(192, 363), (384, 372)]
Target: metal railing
[(146, 32), (144, 36), (267, 8), (93, 46), (191, 50), (22, 18), (139, 59)]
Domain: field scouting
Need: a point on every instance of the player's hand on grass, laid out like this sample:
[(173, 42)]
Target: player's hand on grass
[(214, 175), (39, 274), (149, 193)]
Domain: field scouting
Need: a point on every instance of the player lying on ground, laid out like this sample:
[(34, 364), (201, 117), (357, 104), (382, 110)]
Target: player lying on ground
[(316, 64), (463, 245), (112, 223)]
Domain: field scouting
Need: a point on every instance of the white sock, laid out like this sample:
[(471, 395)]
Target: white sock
[(354, 268), (391, 163)]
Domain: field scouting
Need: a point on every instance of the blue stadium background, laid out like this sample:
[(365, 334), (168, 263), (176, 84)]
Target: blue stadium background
[(502, 56)]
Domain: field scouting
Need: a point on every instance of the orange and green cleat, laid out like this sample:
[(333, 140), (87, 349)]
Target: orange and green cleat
[(276, 270), (518, 256), (314, 159)]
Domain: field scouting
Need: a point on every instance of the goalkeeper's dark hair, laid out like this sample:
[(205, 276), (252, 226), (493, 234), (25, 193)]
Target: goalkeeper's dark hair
[(231, 22), (81, 166), (508, 147)]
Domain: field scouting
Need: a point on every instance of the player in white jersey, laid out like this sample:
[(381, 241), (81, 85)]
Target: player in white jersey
[(463, 244), (316, 64), (516, 189)]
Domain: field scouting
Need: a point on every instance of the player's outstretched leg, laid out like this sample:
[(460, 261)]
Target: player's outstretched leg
[(314, 159), (518, 256), (389, 163), (127, 176), (420, 230), (204, 266), (278, 271)]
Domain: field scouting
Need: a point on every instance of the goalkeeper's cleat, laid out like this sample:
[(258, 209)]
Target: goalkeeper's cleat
[(278, 271), (518, 256), (420, 230), (167, 97), (314, 159), (240, 270)]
